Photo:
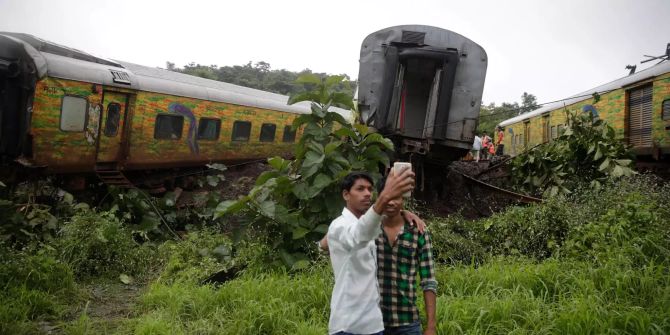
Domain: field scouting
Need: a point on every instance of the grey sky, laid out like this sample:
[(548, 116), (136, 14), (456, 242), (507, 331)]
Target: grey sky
[(552, 49)]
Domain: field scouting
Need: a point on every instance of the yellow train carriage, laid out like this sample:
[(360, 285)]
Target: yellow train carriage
[(84, 114), (636, 106)]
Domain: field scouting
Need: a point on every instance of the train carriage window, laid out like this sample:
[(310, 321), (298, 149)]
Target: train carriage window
[(268, 132), (666, 109), (168, 127), (113, 117), (289, 135), (209, 129), (554, 134), (73, 113), (241, 131)]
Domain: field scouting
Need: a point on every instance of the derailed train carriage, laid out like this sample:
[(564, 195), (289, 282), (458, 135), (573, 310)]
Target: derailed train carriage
[(64, 111), (636, 106), (422, 86)]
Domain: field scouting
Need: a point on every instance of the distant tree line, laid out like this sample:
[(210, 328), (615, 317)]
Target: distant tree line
[(491, 115), (260, 76)]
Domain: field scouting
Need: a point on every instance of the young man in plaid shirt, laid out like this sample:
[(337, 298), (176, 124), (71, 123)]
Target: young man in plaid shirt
[(402, 251)]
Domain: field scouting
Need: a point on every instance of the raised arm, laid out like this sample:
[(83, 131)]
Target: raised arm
[(368, 226)]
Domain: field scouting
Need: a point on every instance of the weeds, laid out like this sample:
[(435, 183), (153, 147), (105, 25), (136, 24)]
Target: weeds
[(98, 244)]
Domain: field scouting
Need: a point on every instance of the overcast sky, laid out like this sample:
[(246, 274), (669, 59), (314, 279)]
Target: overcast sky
[(552, 49)]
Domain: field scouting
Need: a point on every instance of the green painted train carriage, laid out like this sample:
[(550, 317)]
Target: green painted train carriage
[(636, 106), (65, 111)]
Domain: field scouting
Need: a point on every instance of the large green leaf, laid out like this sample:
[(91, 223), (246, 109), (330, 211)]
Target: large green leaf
[(303, 96), (346, 132), (312, 158), (230, 207), (301, 190), (278, 163), (321, 181), (342, 100), (330, 147), (299, 232), (267, 207), (335, 117)]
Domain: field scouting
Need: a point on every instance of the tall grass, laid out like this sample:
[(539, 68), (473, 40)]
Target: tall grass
[(34, 287), (274, 303), (553, 297)]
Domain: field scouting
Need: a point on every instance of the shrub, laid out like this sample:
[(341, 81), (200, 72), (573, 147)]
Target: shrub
[(98, 244), (628, 218), (199, 255), (455, 240), (588, 152)]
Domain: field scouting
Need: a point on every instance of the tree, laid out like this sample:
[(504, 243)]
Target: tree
[(260, 75), (293, 203), (528, 103)]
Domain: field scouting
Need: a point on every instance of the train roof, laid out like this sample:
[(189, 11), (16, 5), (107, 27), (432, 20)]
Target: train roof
[(645, 74), (67, 63)]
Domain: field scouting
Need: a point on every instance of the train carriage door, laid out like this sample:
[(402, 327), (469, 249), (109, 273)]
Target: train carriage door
[(115, 107), (639, 117), (526, 135)]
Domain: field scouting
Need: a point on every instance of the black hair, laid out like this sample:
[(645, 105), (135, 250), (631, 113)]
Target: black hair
[(349, 181)]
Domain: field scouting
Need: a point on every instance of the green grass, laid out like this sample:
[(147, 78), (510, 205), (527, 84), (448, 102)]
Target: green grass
[(277, 303), (596, 263)]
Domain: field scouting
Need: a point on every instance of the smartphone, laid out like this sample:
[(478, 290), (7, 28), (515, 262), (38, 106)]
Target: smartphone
[(398, 168)]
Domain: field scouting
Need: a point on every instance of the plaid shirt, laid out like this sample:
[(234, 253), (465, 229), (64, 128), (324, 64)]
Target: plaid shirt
[(397, 266)]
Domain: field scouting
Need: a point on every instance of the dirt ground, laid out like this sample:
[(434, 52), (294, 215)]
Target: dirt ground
[(468, 198)]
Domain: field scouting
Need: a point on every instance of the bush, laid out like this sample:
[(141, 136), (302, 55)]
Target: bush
[(587, 152), (456, 240), (98, 244), (199, 255), (629, 219), (534, 231)]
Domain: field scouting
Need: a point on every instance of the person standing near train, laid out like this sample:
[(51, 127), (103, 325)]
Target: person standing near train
[(499, 142), (403, 251), (477, 146), (486, 142)]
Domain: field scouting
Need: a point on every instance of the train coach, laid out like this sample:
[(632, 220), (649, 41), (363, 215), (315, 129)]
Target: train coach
[(636, 106), (421, 87), (64, 111)]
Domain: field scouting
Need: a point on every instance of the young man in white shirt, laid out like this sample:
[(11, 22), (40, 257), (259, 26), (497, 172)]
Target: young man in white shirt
[(354, 306)]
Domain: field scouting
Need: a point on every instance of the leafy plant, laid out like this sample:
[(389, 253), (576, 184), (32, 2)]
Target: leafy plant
[(587, 152), (31, 212), (293, 203), (99, 244)]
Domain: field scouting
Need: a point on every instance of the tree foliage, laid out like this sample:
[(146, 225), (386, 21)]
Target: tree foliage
[(491, 115), (587, 152), (261, 76), (293, 203)]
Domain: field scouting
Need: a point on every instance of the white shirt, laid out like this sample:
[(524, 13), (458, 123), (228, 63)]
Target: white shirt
[(477, 145), (354, 305)]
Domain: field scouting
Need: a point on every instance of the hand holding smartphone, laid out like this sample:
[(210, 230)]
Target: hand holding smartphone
[(398, 168)]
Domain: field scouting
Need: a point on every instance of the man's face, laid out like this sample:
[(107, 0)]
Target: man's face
[(394, 207), (359, 197)]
